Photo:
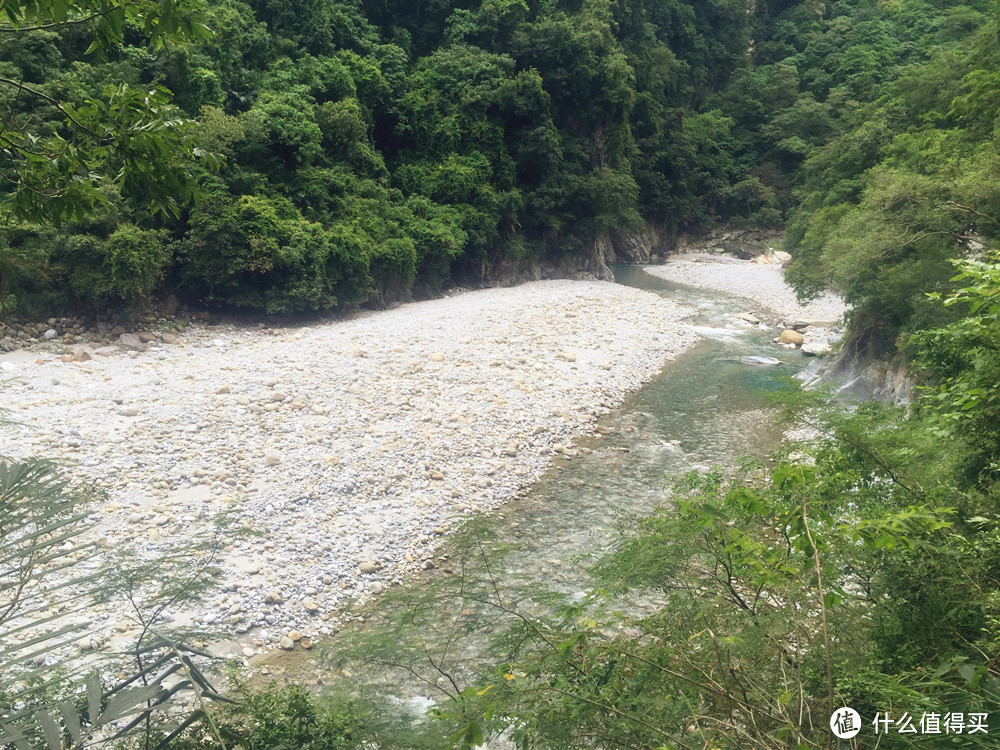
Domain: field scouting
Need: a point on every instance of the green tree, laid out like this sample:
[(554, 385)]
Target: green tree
[(126, 135)]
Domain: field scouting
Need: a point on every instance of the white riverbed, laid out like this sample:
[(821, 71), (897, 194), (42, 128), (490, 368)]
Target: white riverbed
[(350, 447), (762, 283)]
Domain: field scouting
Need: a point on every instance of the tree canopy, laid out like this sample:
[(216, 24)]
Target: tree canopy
[(379, 149)]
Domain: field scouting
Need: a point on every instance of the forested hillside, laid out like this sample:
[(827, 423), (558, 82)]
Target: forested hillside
[(339, 152), (290, 157)]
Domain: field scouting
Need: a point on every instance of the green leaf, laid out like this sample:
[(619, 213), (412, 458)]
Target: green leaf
[(94, 697), (50, 730)]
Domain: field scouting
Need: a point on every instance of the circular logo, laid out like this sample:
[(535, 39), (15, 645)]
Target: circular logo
[(845, 723)]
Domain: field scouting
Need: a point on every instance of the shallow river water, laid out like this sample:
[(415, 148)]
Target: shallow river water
[(704, 409)]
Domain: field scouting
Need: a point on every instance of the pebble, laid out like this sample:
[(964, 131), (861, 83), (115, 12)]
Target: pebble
[(385, 451), (764, 284)]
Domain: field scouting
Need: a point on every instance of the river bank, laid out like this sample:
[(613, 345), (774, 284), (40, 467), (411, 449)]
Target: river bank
[(348, 448)]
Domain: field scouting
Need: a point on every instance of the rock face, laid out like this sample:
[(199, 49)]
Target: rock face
[(788, 336), (637, 246), (860, 378)]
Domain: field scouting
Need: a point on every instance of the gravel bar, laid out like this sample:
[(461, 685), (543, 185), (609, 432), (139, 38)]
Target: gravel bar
[(764, 284), (349, 448)]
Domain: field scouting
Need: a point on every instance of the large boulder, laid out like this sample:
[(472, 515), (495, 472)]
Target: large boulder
[(131, 342), (788, 336), (814, 348)]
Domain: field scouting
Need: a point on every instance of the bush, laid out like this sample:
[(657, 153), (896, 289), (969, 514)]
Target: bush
[(126, 266), (260, 253)]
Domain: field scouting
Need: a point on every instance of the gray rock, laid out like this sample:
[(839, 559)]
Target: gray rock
[(50, 334), (368, 567), (286, 643), (814, 348), (131, 342)]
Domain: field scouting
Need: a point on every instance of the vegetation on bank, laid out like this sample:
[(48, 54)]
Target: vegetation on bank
[(299, 156)]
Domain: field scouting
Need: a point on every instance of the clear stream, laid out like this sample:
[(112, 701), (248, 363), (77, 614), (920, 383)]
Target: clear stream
[(703, 409)]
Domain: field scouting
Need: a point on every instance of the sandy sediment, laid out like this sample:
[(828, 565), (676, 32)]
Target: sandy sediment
[(349, 448)]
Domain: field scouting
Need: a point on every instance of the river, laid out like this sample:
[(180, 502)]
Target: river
[(704, 409)]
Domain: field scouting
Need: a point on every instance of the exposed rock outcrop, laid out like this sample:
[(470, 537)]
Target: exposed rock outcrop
[(861, 377)]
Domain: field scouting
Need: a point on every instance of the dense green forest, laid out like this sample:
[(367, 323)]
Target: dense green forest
[(301, 156), (308, 155)]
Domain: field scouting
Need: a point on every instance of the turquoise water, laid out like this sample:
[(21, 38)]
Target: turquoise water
[(704, 409)]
